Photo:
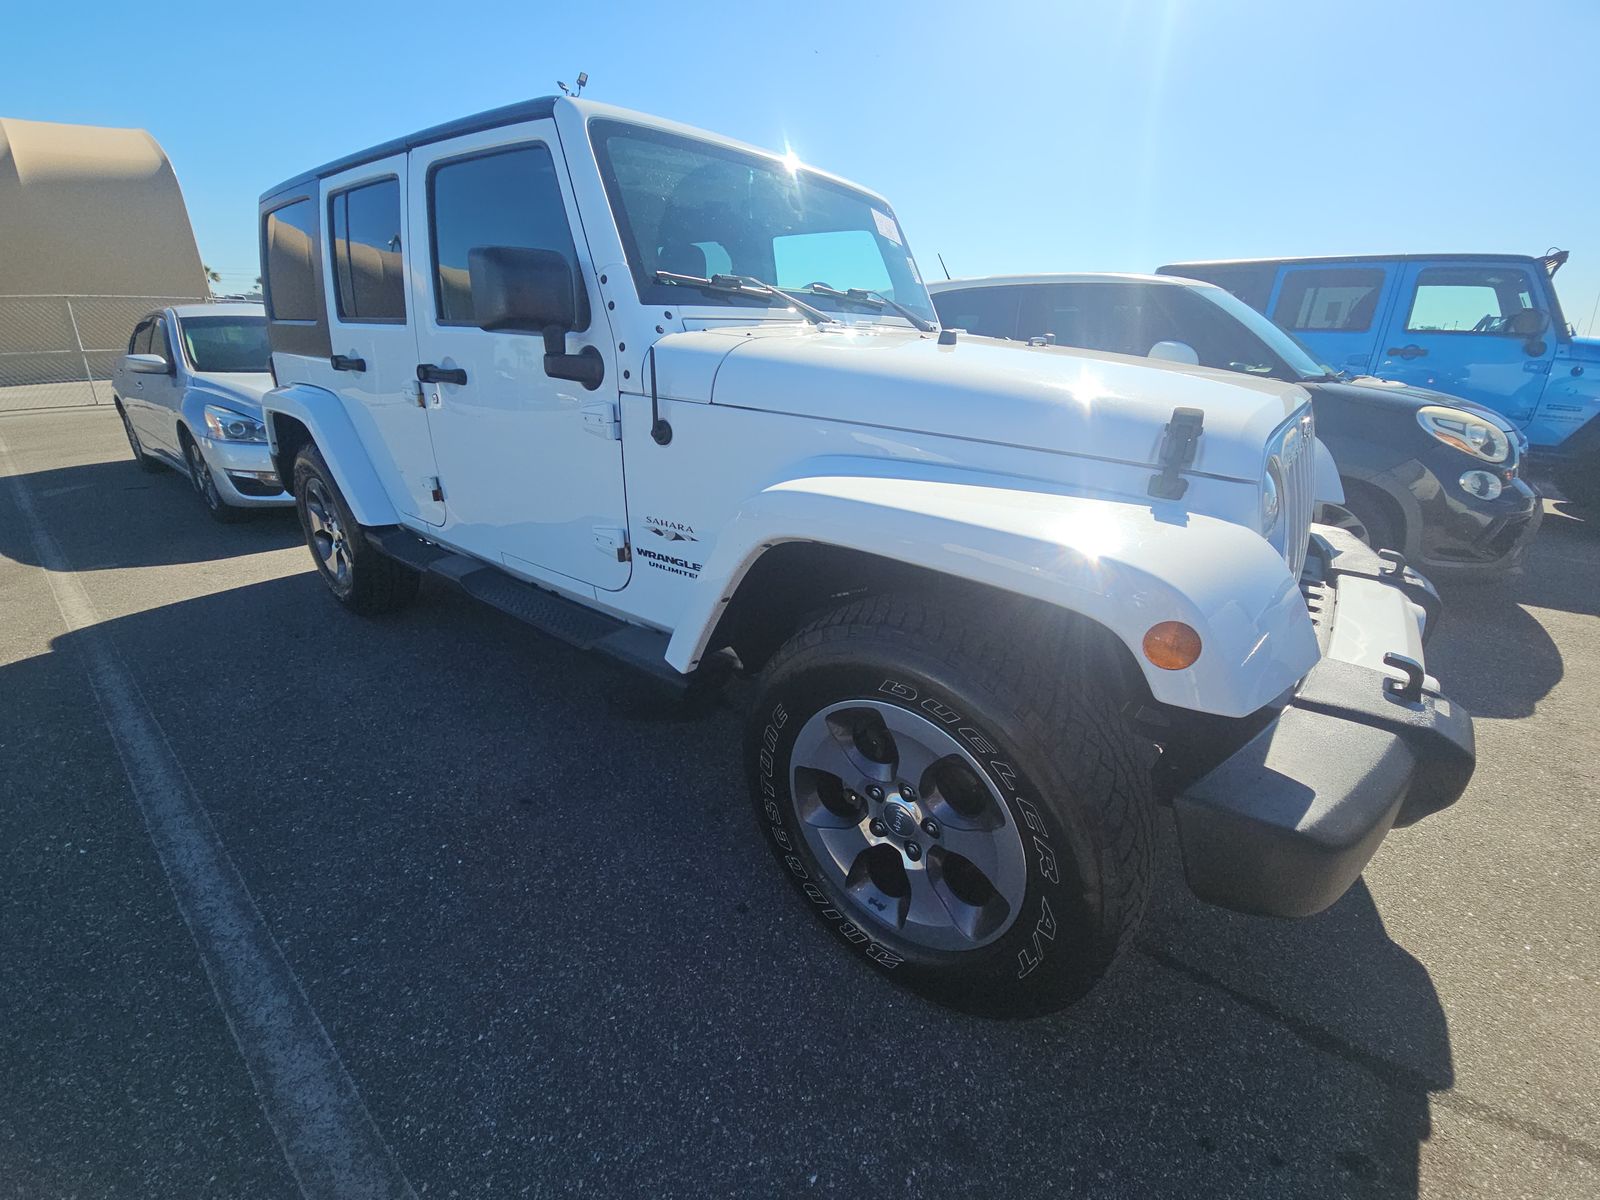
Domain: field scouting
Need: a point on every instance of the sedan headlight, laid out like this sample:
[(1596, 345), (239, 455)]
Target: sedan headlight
[(1466, 432), (228, 426)]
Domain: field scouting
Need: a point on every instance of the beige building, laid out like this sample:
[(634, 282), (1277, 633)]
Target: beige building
[(84, 212)]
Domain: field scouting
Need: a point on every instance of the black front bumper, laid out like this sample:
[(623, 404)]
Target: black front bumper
[(1285, 824)]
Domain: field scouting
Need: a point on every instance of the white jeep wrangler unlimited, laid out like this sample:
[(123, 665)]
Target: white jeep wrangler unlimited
[(686, 403)]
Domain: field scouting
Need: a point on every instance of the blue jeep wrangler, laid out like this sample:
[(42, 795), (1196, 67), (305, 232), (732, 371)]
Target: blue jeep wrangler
[(1484, 327)]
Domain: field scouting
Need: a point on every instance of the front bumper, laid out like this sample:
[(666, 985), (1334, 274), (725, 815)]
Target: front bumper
[(1463, 537), (1366, 742), (244, 474)]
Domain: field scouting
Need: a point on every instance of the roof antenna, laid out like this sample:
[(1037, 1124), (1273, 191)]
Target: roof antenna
[(940, 257), (583, 82)]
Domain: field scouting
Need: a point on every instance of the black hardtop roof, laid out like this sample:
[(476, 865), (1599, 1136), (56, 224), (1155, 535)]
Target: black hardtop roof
[(1348, 258), (509, 114)]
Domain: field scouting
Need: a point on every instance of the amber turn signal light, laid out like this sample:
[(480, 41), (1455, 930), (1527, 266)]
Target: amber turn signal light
[(1172, 645)]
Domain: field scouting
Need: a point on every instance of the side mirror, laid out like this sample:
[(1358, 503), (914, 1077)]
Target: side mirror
[(145, 364), (1175, 352), (519, 289)]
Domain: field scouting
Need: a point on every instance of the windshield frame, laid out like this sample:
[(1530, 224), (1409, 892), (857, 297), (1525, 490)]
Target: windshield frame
[(652, 293), (216, 319)]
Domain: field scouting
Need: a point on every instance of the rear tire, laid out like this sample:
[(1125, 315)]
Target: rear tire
[(360, 576), (146, 463), (1037, 866)]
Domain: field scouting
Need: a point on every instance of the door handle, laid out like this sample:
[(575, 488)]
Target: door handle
[(345, 362), (1412, 351), (430, 373)]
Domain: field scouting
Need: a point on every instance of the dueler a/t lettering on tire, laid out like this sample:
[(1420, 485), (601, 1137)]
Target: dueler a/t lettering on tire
[(361, 577), (965, 808)]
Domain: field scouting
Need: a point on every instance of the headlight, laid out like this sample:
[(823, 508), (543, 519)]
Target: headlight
[(1467, 433), (1271, 497), (228, 426)]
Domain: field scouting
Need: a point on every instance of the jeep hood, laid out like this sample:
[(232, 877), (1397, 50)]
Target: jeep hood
[(1049, 398)]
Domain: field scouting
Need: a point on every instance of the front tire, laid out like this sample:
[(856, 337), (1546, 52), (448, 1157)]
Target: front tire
[(360, 576), (205, 486), (956, 798)]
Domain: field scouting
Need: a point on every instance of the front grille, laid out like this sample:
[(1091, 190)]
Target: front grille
[(1294, 444)]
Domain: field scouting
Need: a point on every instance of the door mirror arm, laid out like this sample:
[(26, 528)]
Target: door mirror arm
[(585, 367)]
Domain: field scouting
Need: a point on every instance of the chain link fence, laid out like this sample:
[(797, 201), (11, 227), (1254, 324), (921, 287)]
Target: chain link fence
[(58, 351)]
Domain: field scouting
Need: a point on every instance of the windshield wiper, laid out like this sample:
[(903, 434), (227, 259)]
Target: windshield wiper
[(744, 285), (875, 300)]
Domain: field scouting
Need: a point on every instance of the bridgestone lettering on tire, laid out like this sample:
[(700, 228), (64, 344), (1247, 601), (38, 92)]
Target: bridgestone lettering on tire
[(1005, 876), (361, 577)]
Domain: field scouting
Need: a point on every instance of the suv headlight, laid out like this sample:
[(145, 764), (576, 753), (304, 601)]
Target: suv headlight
[(1272, 498), (228, 426), (1468, 433)]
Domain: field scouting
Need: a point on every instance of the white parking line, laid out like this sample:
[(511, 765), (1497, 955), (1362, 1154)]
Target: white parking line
[(332, 1145)]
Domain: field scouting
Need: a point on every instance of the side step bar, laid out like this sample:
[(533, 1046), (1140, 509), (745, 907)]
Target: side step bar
[(632, 645)]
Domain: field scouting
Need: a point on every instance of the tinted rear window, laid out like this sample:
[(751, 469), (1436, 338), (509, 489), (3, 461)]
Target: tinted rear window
[(368, 266), (1344, 299)]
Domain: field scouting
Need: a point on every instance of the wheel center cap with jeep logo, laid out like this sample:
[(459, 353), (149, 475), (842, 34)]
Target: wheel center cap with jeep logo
[(902, 822)]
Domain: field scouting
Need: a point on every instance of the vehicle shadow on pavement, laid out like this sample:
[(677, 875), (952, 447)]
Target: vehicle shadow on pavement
[(554, 950), (1494, 655), (93, 499)]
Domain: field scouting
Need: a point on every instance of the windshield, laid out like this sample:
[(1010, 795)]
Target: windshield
[(225, 343), (696, 208), (1299, 360)]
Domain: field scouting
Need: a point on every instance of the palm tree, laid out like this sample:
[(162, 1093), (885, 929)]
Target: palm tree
[(211, 276)]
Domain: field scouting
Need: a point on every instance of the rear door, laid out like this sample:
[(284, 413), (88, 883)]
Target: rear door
[(1337, 309), (531, 466), (370, 329), (1456, 329)]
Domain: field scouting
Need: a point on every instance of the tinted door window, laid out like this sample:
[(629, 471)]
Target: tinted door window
[(368, 267), (1469, 300), (158, 341), (291, 282), (509, 198), (1343, 299), (987, 312), (139, 343)]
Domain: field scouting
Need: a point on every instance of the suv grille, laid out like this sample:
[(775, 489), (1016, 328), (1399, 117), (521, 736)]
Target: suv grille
[(1294, 445)]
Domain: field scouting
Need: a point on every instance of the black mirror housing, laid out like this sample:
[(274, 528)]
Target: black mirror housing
[(521, 289), (518, 289)]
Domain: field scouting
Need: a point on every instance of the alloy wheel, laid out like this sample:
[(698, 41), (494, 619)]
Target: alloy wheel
[(200, 476), (907, 826), (329, 541)]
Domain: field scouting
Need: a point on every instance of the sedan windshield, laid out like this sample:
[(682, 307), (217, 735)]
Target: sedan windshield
[(225, 344), (698, 209)]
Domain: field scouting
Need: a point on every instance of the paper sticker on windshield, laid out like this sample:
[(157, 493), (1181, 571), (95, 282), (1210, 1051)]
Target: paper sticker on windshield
[(886, 226)]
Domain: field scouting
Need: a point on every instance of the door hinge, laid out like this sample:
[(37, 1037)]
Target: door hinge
[(435, 488), (601, 420), (612, 542)]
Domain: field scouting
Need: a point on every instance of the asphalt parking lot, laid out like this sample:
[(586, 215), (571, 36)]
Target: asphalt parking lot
[(515, 908)]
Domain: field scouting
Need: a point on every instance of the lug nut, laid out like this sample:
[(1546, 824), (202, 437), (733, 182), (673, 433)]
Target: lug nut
[(874, 792), (877, 828), (908, 793), (913, 851), (930, 827)]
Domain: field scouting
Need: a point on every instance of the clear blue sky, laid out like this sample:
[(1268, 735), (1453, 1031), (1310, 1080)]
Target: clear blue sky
[(1010, 136)]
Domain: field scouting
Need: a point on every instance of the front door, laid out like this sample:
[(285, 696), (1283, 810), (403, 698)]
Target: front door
[(1463, 328), (529, 477), (162, 394), (371, 332)]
